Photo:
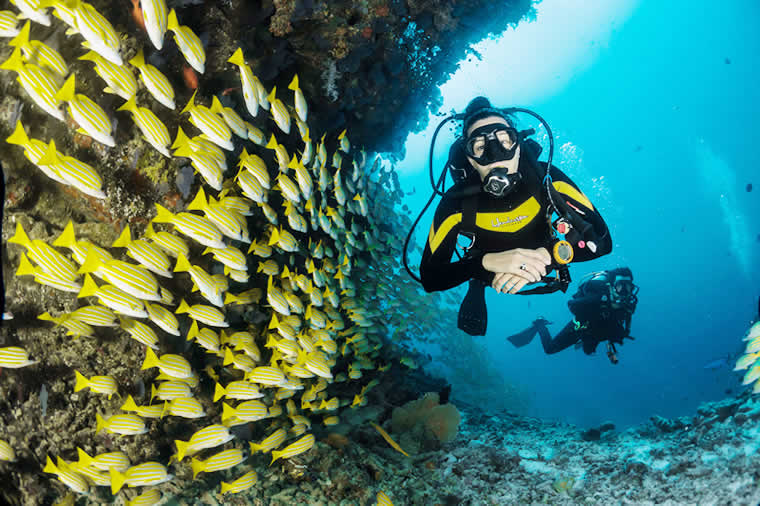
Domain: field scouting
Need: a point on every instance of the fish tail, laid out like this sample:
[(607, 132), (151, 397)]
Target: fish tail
[(22, 39), (219, 392), (84, 459), (25, 267), (123, 240), (18, 137), (67, 239), (237, 58), (81, 381), (228, 357), (172, 23), (138, 60), (216, 105), (190, 103), (225, 487), (227, 410), (130, 105), (193, 332), (151, 360), (100, 424), (294, 83), (14, 62), (20, 237), (197, 466), (67, 91), (117, 480), (129, 404), (51, 155), (199, 202), (181, 449), (183, 307), (90, 56), (163, 215), (183, 264)]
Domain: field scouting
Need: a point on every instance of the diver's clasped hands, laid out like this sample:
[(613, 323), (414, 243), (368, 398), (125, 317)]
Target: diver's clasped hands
[(516, 268)]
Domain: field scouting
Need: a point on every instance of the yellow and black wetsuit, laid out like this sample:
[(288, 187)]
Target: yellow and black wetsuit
[(517, 220)]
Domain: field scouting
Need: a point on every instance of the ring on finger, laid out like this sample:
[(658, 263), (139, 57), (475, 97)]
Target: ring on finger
[(523, 267)]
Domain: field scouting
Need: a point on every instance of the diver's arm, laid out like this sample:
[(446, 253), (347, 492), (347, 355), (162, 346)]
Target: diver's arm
[(437, 271), (580, 205)]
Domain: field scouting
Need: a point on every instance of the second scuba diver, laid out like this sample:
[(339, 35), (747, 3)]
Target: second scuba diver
[(499, 214), (603, 307)]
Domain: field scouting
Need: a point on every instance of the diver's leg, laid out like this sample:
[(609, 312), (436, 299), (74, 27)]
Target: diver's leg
[(567, 337)]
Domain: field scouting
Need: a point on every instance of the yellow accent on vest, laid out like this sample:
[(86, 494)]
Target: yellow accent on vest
[(435, 238), (510, 221), (574, 194)]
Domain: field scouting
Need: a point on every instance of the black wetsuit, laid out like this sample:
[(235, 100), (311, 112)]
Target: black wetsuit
[(595, 320), (517, 220)]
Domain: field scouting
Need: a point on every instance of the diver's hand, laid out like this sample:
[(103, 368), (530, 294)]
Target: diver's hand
[(508, 283), (509, 262)]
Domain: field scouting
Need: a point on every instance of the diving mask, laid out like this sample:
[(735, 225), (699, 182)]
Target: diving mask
[(492, 143), (624, 291)]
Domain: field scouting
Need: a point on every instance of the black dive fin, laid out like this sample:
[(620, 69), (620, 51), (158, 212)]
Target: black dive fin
[(524, 337), (473, 314)]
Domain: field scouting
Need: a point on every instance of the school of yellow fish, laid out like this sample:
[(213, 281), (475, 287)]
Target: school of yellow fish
[(324, 254)]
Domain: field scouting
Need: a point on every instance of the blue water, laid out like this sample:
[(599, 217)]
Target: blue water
[(659, 131)]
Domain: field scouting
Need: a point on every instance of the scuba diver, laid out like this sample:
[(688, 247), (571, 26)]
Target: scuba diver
[(499, 214), (602, 307)]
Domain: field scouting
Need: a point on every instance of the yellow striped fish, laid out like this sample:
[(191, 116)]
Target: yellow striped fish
[(114, 298), (222, 460), (8, 24), (202, 280), (172, 365), (154, 131), (154, 411), (67, 476), (283, 240), (266, 375), (251, 186), (47, 257), (124, 424), (39, 53), (198, 228), (241, 484), (249, 410), (207, 338), (92, 119), (98, 384), (276, 299), (269, 443), (78, 174), (133, 279), (279, 112), (191, 380), (34, 150), (37, 82), (169, 242), (230, 256), (255, 135), (248, 84), (6, 452), (239, 390), (104, 461), (233, 120), (230, 224), (119, 79), (141, 475), (155, 16), (188, 42), (256, 165), (148, 498), (383, 499), (209, 123), (147, 254), (154, 80), (206, 314), (139, 332), (97, 31), (79, 249), (207, 437), (26, 268), (204, 162), (34, 10), (240, 361), (281, 154), (95, 315), (14, 357), (302, 445), (302, 108), (168, 390), (163, 318), (186, 407), (75, 328)]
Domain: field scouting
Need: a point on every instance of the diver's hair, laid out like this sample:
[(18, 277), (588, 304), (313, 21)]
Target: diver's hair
[(480, 107), (621, 271)]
